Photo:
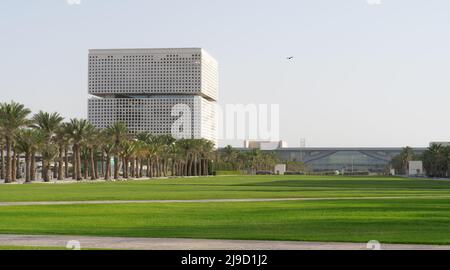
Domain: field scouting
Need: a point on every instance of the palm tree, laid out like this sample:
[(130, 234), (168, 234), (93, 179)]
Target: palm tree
[(107, 146), (230, 156), (119, 133), (144, 151), (13, 116), (2, 155), (186, 148), (92, 141), (141, 153), (436, 160), (62, 140), (78, 131), (84, 153), (48, 152), (206, 151), (163, 147), (406, 156), (27, 141), (151, 153), (49, 125)]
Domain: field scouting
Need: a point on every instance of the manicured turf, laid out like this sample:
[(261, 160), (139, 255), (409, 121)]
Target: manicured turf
[(406, 220), (226, 187), (394, 221)]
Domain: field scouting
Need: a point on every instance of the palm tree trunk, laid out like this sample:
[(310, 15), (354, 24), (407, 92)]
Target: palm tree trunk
[(102, 164), (196, 167), (201, 168), (166, 167), (55, 168), (74, 163), (27, 167), (141, 167), (33, 166), (60, 163), (13, 167), (66, 162), (136, 168), (116, 167), (133, 167), (18, 171), (172, 172), (93, 167), (2, 164), (45, 175), (107, 173), (8, 160), (206, 167), (86, 168), (78, 158), (152, 168), (96, 170), (188, 166), (126, 168), (157, 166)]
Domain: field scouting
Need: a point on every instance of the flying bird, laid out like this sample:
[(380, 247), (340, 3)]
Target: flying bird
[(290, 58)]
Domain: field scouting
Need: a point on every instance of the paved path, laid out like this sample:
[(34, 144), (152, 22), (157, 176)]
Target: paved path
[(190, 244), (217, 200)]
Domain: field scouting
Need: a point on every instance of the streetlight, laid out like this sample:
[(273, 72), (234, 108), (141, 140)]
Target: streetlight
[(353, 164)]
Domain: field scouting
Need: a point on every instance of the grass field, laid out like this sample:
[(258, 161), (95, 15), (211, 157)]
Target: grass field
[(227, 187), (409, 219)]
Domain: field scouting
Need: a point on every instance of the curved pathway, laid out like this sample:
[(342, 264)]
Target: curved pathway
[(191, 244), (217, 200)]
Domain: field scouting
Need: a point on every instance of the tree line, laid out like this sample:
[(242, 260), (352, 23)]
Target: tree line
[(76, 149), (436, 160), (252, 161)]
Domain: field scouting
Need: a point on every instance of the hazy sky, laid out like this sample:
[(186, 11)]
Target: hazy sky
[(363, 75)]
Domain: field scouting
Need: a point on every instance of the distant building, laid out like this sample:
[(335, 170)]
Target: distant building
[(415, 168), (141, 88), (280, 169), (265, 145), (372, 160)]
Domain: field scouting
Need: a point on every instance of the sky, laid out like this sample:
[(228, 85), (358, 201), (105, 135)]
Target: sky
[(363, 74)]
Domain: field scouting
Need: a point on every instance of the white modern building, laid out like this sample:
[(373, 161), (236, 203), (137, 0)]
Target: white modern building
[(265, 145), (415, 168), (153, 89)]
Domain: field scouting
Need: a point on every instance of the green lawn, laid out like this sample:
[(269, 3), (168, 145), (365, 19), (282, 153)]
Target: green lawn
[(226, 187), (406, 220), (396, 221)]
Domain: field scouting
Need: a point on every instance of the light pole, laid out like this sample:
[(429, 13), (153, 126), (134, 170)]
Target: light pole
[(353, 164)]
